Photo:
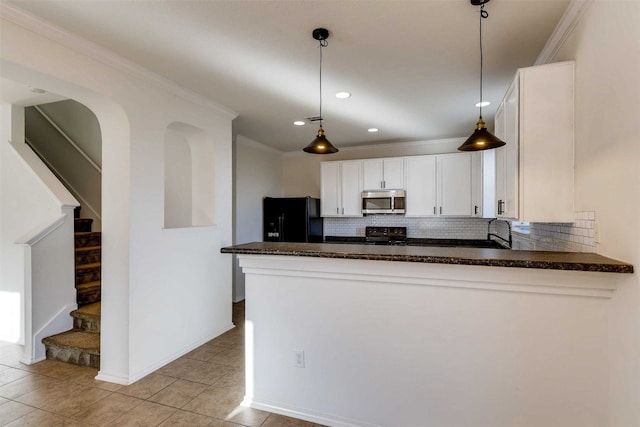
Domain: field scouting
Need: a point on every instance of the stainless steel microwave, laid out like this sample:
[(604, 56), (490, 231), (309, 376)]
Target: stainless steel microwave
[(383, 202)]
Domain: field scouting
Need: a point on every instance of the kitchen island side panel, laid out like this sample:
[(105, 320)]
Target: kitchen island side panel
[(396, 353)]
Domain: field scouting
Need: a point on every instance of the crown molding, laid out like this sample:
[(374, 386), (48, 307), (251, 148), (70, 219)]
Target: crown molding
[(572, 16), (94, 51), (400, 144), (243, 140)]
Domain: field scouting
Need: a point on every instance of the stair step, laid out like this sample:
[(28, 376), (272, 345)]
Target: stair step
[(84, 239), (82, 224), (87, 318), (88, 255), (77, 347), (88, 272), (88, 293)]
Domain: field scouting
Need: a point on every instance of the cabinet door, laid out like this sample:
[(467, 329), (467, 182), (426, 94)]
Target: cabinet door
[(351, 185), (330, 188), (393, 173), (421, 186), (454, 177), (477, 181), (372, 177), (512, 138), (500, 159)]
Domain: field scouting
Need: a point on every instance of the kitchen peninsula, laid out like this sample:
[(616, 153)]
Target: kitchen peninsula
[(365, 335)]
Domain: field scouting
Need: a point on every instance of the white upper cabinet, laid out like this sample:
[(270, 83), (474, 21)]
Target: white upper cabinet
[(421, 195), (435, 185), (383, 173), (455, 185), (351, 188), (341, 188), (444, 185), (535, 170), (507, 164)]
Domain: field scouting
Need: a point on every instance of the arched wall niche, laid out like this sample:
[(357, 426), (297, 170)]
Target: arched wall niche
[(188, 177)]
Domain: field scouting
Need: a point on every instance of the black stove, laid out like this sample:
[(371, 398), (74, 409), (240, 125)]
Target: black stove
[(386, 235)]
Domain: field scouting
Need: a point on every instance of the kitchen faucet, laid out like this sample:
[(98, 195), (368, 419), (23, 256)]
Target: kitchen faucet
[(489, 233)]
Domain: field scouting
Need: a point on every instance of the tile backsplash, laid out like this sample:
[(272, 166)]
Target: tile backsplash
[(578, 236), (441, 228)]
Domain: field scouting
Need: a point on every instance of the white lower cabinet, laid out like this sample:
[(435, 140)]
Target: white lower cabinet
[(341, 188), (444, 185)]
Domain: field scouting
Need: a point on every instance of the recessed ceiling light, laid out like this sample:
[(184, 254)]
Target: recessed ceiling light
[(299, 123), (483, 104), (37, 90), (343, 95), (372, 130)]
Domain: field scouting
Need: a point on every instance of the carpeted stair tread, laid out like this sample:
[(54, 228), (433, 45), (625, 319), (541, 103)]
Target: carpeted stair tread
[(87, 285), (88, 266), (82, 224), (89, 311), (87, 238), (88, 248), (74, 339)]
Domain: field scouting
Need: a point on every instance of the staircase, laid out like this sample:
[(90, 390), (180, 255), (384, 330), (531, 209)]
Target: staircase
[(81, 345)]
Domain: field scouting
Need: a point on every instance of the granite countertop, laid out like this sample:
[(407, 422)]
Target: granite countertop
[(574, 261)]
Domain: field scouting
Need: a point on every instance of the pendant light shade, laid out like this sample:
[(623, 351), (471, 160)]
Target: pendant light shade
[(481, 138), (321, 144)]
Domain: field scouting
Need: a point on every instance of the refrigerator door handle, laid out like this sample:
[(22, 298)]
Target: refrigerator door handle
[(281, 227)]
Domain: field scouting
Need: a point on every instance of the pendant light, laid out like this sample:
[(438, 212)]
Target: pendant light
[(321, 144), (481, 139)]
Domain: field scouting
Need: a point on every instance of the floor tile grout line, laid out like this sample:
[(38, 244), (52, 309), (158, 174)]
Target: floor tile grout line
[(231, 351)]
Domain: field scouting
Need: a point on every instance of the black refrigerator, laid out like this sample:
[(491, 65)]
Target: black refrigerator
[(291, 219)]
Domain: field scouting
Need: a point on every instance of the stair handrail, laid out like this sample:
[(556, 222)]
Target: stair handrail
[(42, 231), (75, 193), (68, 138)]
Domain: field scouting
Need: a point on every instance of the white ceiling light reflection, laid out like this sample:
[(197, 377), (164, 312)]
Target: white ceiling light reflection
[(343, 95)]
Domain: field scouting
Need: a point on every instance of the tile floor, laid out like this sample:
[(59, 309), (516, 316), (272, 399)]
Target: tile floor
[(202, 388)]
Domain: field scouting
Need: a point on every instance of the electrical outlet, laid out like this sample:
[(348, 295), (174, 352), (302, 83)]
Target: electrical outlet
[(298, 358)]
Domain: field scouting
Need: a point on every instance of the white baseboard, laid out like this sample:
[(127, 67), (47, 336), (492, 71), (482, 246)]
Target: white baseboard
[(303, 414), (143, 373), (110, 378)]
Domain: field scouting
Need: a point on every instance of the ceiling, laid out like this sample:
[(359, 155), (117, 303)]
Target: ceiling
[(412, 66)]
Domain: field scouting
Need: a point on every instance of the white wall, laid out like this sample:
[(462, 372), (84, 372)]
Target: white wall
[(164, 292), (606, 47), (257, 174), (416, 344)]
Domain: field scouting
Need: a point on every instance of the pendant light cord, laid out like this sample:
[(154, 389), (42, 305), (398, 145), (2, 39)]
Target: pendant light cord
[(483, 14), (320, 83), (322, 43)]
